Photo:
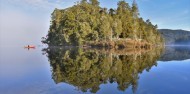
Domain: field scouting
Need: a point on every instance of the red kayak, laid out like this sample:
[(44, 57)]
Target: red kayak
[(29, 46)]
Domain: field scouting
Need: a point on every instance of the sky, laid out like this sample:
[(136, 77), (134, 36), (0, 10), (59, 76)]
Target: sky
[(24, 22)]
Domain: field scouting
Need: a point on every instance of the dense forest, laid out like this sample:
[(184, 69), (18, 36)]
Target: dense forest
[(88, 69), (86, 22)]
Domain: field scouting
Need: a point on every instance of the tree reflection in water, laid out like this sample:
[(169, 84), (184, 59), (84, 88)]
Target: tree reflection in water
[(88, 69)]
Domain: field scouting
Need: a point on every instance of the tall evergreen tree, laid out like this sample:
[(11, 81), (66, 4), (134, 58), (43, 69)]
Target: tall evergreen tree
[(135, 14)]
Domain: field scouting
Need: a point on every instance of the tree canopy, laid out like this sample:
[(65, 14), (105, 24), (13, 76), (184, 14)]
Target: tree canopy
[(87, 21)]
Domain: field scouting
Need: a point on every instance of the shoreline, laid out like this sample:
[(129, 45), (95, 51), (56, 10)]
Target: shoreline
[(114, 44)]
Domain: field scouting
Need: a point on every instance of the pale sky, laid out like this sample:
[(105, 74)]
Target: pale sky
[(24, 22)]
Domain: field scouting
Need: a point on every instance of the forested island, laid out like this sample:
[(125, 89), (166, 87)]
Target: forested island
[(88, 24)]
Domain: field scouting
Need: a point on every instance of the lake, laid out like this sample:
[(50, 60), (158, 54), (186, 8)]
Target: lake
[(74, 70)]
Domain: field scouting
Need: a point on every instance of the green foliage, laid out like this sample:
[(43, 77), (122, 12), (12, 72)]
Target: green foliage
[(87, 22)]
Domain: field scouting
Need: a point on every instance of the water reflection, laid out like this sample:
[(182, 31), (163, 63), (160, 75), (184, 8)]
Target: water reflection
[(87, 69), (175, 53)]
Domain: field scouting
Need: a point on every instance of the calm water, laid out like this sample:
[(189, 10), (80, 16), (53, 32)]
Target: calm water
[(73, 71)]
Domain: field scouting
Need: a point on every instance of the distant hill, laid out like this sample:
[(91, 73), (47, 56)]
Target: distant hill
[(175, 37)]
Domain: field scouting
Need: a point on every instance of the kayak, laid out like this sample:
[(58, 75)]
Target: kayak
[(29, 46)]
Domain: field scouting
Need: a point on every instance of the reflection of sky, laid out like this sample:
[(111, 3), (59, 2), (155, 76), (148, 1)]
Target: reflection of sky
[(23, 71), (171, 77), (24, 22)]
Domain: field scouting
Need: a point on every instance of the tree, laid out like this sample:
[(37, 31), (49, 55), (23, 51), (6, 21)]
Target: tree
[(94, 2), (83, 1), (111, 11), (117, 27), (124, 14), (104, 27), (135, 14)]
